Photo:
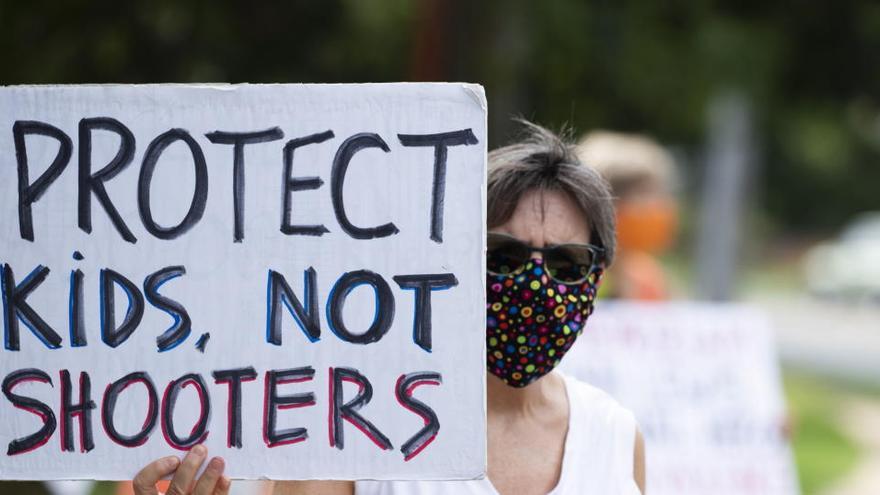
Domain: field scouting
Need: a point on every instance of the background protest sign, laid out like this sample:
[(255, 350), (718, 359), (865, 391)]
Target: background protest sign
[(703, 382), (291, 274)]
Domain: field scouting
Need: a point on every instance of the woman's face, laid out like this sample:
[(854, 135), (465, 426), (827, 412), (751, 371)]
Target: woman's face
[(533, 318), (546, 218)]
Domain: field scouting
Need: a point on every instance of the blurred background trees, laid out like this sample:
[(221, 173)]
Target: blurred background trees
[(809, 70)]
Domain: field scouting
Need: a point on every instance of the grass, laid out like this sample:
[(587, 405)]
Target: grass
[(822, 450), (104, 488)]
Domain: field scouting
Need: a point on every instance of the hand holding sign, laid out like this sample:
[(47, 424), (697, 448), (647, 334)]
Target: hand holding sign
[(184, 481)]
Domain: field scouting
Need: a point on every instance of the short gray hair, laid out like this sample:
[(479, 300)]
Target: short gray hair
[(544, 160)]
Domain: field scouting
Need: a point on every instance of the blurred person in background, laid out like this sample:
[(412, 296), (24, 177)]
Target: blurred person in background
[(641, 174)]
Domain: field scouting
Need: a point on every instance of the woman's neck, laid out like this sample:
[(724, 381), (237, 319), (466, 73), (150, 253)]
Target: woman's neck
[(537, 397)]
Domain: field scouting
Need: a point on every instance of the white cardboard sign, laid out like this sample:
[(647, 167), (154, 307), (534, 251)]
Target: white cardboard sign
[(703, 382), (290, 274)]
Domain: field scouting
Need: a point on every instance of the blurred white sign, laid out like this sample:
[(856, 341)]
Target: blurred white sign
[(252, 267), (704, 383)]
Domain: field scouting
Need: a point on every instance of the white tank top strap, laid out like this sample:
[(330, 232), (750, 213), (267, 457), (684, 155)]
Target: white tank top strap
[(600, 449)]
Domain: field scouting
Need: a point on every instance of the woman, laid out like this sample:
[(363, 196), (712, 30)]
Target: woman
[(551, 235)]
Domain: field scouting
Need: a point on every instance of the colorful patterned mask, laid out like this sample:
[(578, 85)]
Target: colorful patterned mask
[(532, 321)]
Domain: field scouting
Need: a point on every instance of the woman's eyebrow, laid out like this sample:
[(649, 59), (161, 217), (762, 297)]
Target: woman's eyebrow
[(569, 240)]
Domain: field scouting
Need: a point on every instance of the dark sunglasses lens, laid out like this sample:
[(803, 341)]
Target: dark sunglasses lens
[(505, 256), (569, 264)]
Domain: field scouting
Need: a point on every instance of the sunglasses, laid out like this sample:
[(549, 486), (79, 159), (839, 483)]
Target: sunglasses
[(565, 263)]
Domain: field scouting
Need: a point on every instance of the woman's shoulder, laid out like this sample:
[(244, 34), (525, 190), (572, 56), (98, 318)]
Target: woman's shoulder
[(587, 398), (604, 433)]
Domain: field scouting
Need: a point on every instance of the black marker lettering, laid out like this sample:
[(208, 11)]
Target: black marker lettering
[(234, 379), (28, 193), (200, 194), (76, 320), (308, 318), (16, 308), (274, 402), (82, 410), (202, 341), (340, 410), (200, 430), (90, 183), (406, 384), (110, 333), (337, 179), (180, 329), (108, 407), (384, 300), (423, 285), (440, 143), (291, 184), (238, 140), (40, 437)]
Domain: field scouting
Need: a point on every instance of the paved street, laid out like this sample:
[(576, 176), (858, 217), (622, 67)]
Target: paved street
[(836, 339)]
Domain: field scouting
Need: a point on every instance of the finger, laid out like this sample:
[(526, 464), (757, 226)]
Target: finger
[(223, 485), (186, 473), (144, 483), (208, 481)]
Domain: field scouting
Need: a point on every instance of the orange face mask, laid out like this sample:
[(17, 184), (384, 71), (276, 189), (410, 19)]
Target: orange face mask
[(648, 226)]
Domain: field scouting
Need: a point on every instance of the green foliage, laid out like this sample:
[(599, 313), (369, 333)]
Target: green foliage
[(636, 65)]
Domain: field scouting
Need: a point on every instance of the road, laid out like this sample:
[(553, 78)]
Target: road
[(832, 338)]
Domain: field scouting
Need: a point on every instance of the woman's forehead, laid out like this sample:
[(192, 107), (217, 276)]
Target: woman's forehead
[(547, 217)]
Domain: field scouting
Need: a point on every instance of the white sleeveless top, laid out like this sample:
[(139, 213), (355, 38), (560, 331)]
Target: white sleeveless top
[(598, 456)]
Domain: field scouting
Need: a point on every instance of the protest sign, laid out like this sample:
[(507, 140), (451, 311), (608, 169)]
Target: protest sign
[(290, 274), (703, 382)]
